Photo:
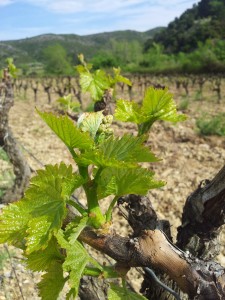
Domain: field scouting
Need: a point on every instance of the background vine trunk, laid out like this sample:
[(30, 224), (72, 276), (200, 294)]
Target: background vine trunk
[(8, 143)]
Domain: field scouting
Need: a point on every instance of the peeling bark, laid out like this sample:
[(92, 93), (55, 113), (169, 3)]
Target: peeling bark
[(92, 289), (199, 279), (203, 215), (9, 145), (151, 248)]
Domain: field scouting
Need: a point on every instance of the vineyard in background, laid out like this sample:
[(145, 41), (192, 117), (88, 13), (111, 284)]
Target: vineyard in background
[(63, 95), (195, 87), (203, 88)]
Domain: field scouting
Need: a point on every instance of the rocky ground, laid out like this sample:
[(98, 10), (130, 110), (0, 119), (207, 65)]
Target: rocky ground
[(187, 159)]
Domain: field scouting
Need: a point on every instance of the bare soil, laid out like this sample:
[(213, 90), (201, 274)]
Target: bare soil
[(187, 159)]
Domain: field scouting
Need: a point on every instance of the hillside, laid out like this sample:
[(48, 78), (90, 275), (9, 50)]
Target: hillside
[(192, 43), (205, 20), (31, 49)]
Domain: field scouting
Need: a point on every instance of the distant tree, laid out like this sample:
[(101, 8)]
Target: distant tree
[(156, 60), (134, 52), (205, 20), (57, 61), (25, 69), (104, 59), (219, 50), (126, 52), (204, 8)]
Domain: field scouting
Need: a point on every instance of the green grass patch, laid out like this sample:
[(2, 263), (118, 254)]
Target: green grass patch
[(3, 258), (212, 125), (198, 96), (183, 105), (3, 155)]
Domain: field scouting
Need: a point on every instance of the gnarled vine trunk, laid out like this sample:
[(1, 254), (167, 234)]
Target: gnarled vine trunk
[(189, 269), (10, 146)]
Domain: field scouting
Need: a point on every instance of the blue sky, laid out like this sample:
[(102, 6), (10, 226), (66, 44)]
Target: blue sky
[(27, 18)]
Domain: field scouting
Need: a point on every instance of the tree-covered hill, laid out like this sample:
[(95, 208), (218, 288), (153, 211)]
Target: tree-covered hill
[(192, 43), (31, 50), (205, 20)]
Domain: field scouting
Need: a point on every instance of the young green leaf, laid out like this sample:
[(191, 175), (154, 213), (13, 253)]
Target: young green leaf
[(41, 229), (84, 67), (67, 103), (128, 148), (94, 83), (75, 227), (13, 223), (65, 129), (42, 260), (158, 104), (40, 213), (11, 67), (123, 181), (128, 111), (90, 122), (119, 293), (99, 82), (119, 152), (119, 78), (76, 260), (69, 180), (52, 282), (49, 190)]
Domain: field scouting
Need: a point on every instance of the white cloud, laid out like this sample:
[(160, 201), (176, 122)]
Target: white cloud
[(141, 17), (94, 16), (145, 17), (5, 2), (107, 6), (95, 6), (99, 6), (91, 6)]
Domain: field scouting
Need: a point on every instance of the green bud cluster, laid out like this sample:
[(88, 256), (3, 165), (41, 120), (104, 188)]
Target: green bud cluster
[(107, 119), (105, 130), (105, 126)]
